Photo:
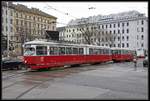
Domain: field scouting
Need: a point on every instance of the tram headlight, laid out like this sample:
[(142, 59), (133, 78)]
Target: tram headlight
[(25, 61)]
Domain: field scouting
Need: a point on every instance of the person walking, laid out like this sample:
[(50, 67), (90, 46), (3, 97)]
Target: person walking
[(135, 63)]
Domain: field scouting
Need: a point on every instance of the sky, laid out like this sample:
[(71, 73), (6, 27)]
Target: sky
[(66, 11)]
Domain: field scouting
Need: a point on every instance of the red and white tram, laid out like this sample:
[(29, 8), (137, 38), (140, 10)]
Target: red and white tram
[(122, 54), (41, 54)]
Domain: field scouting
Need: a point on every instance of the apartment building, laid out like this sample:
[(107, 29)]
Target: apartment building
[(25, 24), (126, 30)]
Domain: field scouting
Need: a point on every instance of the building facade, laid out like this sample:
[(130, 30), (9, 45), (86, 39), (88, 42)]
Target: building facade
[(126, 30), (26, 24)]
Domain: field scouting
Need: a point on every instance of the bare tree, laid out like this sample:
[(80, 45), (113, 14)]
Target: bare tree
[(106, 37), (88, 31), (94, 35)]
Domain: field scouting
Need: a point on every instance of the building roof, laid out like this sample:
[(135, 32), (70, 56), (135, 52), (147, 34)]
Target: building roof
[(60, 28), (23, 8), (107, 18)]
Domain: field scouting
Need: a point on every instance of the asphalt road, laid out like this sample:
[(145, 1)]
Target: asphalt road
[(103, 81)]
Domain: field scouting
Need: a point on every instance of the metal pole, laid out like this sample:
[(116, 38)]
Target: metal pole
[(92, 19), (7, 31)]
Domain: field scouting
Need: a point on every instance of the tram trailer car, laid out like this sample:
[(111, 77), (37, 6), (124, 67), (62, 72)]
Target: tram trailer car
[(122, 54), (41, 54)]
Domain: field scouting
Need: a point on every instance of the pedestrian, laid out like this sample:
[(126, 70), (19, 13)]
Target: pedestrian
[(135, 63)]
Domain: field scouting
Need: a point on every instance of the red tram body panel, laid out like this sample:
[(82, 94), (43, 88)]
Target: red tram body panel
[(36, 62)]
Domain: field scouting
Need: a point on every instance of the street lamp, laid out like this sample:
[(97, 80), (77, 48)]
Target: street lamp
[(7, 31), (92, 20)]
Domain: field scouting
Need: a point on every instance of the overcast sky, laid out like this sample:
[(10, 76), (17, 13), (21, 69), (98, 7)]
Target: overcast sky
[(80, 9)]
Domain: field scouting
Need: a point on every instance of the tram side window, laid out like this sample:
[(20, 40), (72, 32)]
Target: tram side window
[(75, 50), (68, 50), (108, 51), (90, 51), (122, 51), (29, 51), (53, 50), (129, 52), (102, 51), (126, 52), (80, 50), (41, 50), (61, 50), (119, 51), (114, 51), (96, 51)]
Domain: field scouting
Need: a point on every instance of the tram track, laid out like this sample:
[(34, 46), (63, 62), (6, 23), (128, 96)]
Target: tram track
[(18, 74)]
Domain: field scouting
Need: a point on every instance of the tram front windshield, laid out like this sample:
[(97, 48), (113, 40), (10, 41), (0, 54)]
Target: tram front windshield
[(29, 51)]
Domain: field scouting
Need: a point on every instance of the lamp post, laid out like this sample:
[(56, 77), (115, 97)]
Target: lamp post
[(7, 16), (92, 21)]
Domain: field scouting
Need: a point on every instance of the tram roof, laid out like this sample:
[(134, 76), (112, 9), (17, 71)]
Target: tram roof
[(39, 42), (117, 48)]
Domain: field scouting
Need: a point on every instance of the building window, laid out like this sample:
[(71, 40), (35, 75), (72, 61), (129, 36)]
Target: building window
[(6, 12), (127, 23), (138, 22), (11, 13), (11, 21), (114, 25), (114, 38), (123, 38), (17, 15), (142, 45), (142, 37), (118, 38), (118, 24), (11, 29), (118, 45), (110, 25), (106, 26), (122, 44), (114, 32), (118, 31), (16, 21), (122, 24), (142, 22), (127, 44), (137, 29), (127, 38), (142, 29), (137, 37), (110, 32), (6, 20), (103, 26), (53, 27), (123, 31), (6, 28), (127, 30)]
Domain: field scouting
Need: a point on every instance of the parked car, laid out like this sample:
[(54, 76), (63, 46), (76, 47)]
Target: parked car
[(9, 63), (145, 62)]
